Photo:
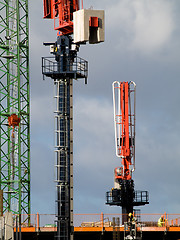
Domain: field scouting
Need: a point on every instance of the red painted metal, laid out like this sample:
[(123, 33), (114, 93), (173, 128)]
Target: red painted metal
[(93, 22), (124, 89), (124, 146), (48, 9), (62, 13), (13, 121)]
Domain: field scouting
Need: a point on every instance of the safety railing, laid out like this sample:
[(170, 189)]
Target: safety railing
[(47, 221), (72, 68), (115, 197), (141, 197), (173, 220)]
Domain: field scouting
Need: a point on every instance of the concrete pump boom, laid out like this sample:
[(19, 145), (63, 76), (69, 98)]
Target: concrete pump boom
[(123, 193), (124, 124)]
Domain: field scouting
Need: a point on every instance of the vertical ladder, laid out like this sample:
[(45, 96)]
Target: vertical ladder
[(64, 158)]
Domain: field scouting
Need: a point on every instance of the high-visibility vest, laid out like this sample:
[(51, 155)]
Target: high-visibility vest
[(160, 222)]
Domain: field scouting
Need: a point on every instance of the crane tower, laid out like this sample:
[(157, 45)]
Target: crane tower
[(63, 67), (123, 193), (14, 107)]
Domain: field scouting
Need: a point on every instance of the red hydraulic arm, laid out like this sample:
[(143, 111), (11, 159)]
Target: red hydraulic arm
[(62, 13), (124, 95), (124, 114)]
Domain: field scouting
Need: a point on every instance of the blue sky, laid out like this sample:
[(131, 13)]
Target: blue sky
[(141, 45)]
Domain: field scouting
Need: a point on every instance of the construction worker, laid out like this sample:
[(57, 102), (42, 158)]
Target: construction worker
[(161, 221), (132, 225), (131, 218)]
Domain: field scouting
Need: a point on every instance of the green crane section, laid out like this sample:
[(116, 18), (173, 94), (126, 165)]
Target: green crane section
[(14, 107)]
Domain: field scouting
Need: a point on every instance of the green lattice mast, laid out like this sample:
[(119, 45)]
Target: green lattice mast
[(14, 106)]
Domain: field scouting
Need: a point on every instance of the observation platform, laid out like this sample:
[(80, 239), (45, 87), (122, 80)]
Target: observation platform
[(115, 197), (100, 226), (78, 68)]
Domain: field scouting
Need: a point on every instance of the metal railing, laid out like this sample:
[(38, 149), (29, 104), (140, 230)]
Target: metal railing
[(102, 220), (115, 197), (141, 197), (73, 68)]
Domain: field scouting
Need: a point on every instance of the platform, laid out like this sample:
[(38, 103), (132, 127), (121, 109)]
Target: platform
[(100, 226), (76, 68), (97, 233)]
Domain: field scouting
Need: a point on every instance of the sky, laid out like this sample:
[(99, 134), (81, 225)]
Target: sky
[(141, 45)]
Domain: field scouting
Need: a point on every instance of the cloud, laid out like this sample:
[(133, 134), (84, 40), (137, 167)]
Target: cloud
[(94, 153), (96, 113), (42, 176), (145, 26), (42, 109), (42, 152), (153, 24)]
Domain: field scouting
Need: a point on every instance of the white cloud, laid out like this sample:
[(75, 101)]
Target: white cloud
[(42, 110), (94, 115), (94, 157), (146, 26), (153, 24)]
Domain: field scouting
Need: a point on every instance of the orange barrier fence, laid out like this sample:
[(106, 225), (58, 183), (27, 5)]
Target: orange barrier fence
[(98, 220)]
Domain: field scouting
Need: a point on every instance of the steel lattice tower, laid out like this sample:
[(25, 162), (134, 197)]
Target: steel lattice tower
[(14, 104)]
